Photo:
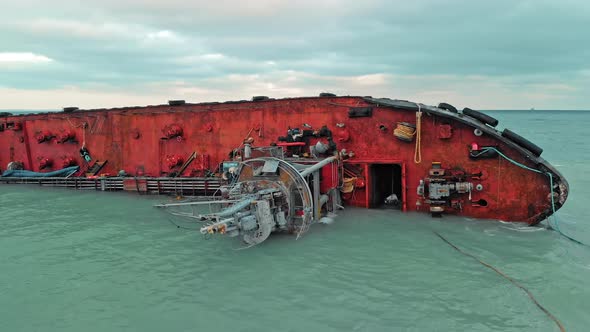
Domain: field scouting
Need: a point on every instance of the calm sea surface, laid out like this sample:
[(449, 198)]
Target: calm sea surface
[(93, 261)]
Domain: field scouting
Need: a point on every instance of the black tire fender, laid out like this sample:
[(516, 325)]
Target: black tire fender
[(176, 102), (70, 109), (448, 107), (480, 116), (327, 94), (525, 143)]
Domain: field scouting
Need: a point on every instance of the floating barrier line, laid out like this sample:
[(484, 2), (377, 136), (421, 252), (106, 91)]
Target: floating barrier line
[(514, 282)]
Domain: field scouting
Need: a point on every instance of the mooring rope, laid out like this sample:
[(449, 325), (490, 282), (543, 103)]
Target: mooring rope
[(514, 282), (82, 125), (404, 132), (417, 151), (169, 218)]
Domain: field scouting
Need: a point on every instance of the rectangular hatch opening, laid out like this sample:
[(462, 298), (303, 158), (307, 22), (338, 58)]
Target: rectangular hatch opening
[(386, 186)]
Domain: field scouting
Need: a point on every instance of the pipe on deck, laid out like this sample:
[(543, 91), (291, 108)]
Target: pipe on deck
[(317, 166)]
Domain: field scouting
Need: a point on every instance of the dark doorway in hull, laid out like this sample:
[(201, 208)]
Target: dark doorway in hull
[(386, 180)]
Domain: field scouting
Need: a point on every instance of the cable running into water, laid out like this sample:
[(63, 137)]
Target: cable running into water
[(179, 226), (514, 282), (555, 220)]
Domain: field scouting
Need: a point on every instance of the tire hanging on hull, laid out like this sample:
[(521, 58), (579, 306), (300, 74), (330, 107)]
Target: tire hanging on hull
[(448, 107), (480, 116), (514, 137)]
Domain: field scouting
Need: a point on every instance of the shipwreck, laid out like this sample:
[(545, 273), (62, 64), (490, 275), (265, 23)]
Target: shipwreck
[(279, 165)]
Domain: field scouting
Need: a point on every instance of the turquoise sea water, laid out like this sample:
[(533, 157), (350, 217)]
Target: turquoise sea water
[(94, 261)]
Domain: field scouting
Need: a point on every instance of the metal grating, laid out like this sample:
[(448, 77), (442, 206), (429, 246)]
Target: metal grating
[(179, 186)]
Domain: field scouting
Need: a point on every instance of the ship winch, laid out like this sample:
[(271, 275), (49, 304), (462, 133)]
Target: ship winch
[(444, 189), (266, 195)]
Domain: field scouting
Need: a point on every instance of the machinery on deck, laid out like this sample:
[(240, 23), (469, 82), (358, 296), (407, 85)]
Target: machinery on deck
[(444, 189), (265, 195)]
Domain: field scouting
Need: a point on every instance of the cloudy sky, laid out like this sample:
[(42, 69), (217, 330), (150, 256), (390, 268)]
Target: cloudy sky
[(481, 54)]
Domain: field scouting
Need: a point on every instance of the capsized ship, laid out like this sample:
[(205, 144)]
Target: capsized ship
[(282, 164)]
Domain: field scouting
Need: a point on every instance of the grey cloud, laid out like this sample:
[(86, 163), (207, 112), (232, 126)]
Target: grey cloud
[(130, 43)]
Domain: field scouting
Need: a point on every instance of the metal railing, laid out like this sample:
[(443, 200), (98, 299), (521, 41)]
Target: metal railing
[(161, 185)]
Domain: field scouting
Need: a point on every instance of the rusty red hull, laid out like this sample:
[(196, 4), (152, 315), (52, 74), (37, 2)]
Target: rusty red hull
[(155, 140)]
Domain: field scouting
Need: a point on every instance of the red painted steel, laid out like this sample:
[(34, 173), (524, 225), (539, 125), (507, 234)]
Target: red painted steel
[(152, 140)]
